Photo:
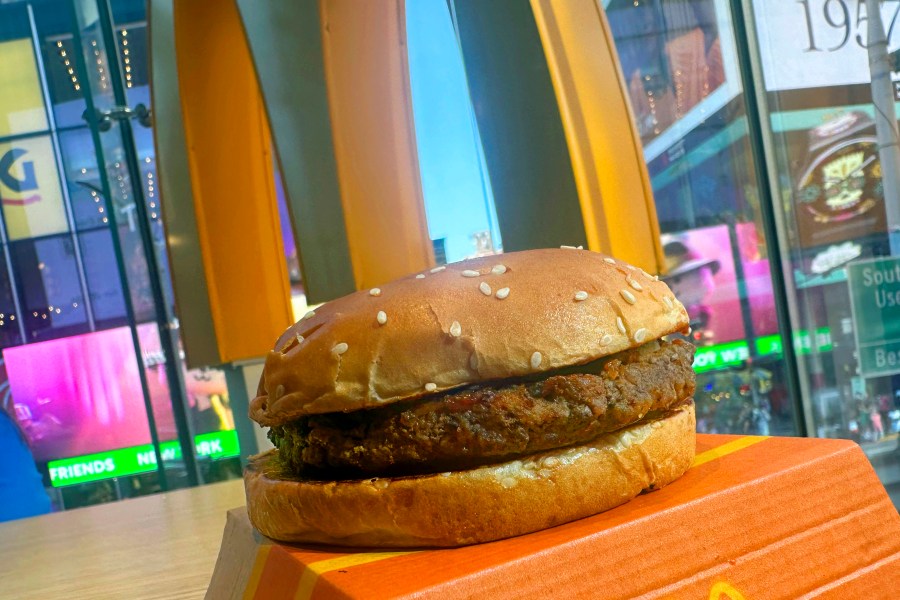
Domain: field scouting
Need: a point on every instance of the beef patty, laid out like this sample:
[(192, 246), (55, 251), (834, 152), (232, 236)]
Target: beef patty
[(484, 424)]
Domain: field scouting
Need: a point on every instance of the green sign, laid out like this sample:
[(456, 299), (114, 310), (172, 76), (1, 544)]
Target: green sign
[(720, 356), (137, 459), (875, 302), (732, 354)]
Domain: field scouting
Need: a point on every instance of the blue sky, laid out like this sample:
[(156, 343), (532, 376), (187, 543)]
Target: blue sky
[(452, 183)]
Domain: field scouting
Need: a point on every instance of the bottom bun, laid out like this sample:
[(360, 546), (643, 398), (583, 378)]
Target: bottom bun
[(478, 505)]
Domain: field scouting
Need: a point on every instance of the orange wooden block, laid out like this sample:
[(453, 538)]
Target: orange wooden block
[(754, 517)]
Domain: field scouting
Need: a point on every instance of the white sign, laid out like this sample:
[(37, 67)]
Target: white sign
[(818, 43)]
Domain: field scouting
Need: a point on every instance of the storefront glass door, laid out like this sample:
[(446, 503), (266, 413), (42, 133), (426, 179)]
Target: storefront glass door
[(89, 335), (680, 64), (835, 195)]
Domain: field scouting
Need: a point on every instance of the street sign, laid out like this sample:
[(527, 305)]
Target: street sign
[(875, 302)]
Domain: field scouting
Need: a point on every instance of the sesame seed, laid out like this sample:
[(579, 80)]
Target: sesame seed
[(609, 260), (536, 360), (629, 297), (340, 348), (635, 285), (438, 269), (502, 293), (646, 274), (430, 387), (455, 329), (381, 317), (629, 267), (580, 295), (568, 247), (640, 335), (470, 273), (508, 482), (499, 269), (605, 340), (668, 302), (375, 292), (420, 276), (550, 462), (279, 391), (620, 325), (485, 288), (308, 315), (473, 362), (299, 338)]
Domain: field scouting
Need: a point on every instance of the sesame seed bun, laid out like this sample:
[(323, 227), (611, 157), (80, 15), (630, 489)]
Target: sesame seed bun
[(477, 505), (479, 320)]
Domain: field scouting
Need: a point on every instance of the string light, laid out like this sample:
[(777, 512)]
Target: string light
[(67, 65), (126, 53)]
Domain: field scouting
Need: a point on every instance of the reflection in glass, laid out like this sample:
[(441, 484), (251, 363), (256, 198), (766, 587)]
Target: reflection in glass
[(107, 300), (678, 60), (830, 195), (10, 319), (49, 287)]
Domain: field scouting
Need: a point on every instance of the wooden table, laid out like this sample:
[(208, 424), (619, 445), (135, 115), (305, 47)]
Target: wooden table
[(160, 546)]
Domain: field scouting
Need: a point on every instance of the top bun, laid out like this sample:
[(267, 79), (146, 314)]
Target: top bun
[(478, 320)]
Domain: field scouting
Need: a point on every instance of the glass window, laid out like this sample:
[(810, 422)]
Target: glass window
[(29, 188), (21, 100), (679, 62), (10, 320), (835, 214), (49, 287), (104, 287), (83, 179)]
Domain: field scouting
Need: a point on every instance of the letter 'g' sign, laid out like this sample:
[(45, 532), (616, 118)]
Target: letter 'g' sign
[(30, 190), (28, 182)]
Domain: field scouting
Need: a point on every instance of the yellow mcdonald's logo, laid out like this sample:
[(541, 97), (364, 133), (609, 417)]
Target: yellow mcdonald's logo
[(724, 591)]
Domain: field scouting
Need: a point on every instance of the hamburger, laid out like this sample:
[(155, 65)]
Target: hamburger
[(472, 402)]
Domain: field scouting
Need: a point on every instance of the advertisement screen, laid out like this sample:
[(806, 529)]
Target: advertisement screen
[(702, 274), (81, 395), (818, 43), (78, 395), (835, 171)]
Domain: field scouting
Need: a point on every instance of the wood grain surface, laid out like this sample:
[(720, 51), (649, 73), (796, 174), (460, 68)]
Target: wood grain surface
[(160, 546)]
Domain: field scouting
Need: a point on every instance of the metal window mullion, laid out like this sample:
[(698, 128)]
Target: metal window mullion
[(766, 173), (60, 172), (120, 263), (173, 359)]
